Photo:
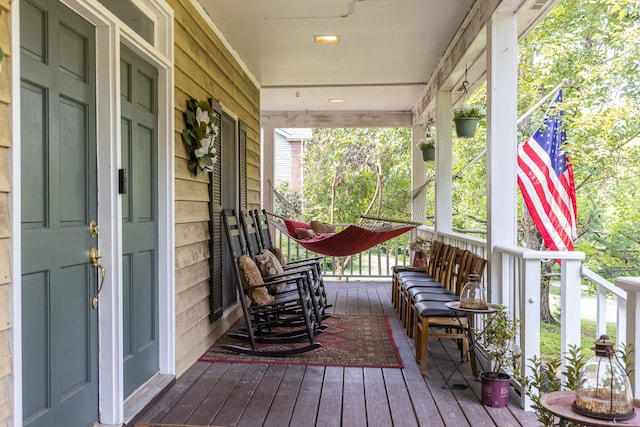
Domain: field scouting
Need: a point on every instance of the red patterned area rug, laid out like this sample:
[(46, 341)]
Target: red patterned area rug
[(349, 340)]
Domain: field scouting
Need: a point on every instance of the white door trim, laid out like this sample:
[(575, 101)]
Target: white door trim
[(110, 32)]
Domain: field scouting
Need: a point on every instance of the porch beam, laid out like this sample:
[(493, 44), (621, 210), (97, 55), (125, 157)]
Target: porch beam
[(465, 49), (337, 119), (502, 98)]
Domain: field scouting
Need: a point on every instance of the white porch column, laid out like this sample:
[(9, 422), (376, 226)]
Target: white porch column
[(502, 98), (268, 162), (418, 176), (443, 163)]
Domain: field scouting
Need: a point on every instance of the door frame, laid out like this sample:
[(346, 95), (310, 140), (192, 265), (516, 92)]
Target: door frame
[(110, 32)]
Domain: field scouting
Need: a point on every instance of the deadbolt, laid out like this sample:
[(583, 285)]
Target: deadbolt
[(93, 228)]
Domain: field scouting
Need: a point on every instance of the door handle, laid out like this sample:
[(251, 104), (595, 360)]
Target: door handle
[(93, 260)]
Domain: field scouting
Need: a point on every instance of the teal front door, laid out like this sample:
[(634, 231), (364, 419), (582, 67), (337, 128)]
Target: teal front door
[(59, 201), (138, 97)]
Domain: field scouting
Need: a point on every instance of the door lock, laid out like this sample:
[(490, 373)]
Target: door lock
[(93, 228)]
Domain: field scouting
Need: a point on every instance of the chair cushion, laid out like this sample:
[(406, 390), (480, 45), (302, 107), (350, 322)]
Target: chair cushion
[(278, 253), (425, 290), (410, 274), (269, 265), (292, 225), (251, 278), (442, 297), (435, 309)]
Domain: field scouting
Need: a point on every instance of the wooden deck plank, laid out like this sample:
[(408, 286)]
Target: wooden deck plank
[(306, 409), (400, 405), (218, 395), (354, 410), (295, 395), (285, 398), (230, 413), (364, 305), (193, 398), (175, 393), (259, 404), (352, 301), (378, 412), (330, 407)]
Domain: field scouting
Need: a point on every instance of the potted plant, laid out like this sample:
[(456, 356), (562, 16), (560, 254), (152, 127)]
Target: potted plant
[(466, 119), (428, 144), (498, 337)]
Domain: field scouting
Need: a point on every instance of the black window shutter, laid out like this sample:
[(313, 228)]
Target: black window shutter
[(216, 232), (242, 148)]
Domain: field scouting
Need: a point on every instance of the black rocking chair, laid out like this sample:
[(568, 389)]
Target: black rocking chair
[(289, 318)]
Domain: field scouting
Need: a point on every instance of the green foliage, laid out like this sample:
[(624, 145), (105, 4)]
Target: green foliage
[(429, 140), (346, 159), (464, 111), (601, 44), (199, 135), (288, 202), (544, 379), (498, 338)]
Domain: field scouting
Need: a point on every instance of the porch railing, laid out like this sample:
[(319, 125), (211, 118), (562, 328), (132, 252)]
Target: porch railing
[(519, 289), (519, 271)]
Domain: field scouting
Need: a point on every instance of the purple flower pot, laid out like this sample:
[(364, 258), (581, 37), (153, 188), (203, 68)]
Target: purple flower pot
[(495, 391)]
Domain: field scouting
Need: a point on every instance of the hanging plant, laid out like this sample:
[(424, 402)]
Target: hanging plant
[(200, 135), (466, 117)]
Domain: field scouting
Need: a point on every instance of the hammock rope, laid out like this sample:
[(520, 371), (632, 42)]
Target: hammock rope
[(350, 241)]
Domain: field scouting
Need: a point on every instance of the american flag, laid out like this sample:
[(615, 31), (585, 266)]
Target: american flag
[(545, 178)]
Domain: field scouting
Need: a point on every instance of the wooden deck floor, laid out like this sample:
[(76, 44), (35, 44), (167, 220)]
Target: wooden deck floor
[(226, 394)]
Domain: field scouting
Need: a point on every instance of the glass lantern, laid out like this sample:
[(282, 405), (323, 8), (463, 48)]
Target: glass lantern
[(473, 294), (604, 390)]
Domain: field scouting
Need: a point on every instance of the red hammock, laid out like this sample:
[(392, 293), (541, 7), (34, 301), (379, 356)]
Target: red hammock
[(350, 241)]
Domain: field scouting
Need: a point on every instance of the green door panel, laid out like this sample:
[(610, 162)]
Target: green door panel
[(58, 175), (139, 220)]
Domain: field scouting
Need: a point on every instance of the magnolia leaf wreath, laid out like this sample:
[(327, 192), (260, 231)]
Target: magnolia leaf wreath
[(200, 135)]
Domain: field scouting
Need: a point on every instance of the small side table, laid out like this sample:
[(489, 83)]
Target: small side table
[(559, 404), (468, 331)]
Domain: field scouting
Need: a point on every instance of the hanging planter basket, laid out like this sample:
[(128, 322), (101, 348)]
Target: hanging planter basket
[(428, 153), (466, 127)]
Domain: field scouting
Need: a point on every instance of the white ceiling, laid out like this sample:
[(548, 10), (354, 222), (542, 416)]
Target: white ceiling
[(392, 55), (388, 49)]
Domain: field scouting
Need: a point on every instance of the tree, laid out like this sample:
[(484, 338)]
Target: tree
[(340, 165)]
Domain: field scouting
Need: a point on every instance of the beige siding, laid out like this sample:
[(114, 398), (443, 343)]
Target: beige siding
[(6, 366), (203, 69)]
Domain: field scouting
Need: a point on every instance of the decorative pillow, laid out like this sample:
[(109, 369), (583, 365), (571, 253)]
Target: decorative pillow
[(250, 276), (293, 225), (305, 233), (269, 265), (320, 227), (278, 253)]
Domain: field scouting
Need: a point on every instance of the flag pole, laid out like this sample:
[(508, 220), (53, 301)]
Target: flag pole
[(530, 111), (542, 101)]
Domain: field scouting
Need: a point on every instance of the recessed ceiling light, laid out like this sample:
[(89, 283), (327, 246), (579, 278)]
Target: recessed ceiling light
[(327, 39), (336, 100)]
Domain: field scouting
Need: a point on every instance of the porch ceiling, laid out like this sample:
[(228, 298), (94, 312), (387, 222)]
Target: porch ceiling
[(391, 54)]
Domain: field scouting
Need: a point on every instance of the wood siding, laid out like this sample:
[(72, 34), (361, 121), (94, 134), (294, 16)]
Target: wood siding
[(204, 69), (6, 367)]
